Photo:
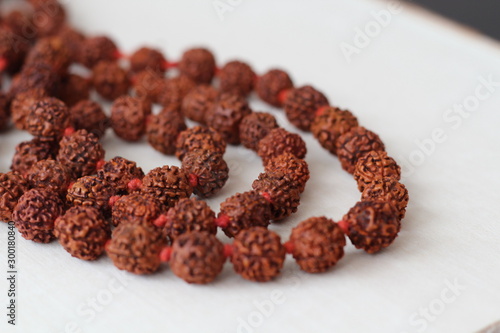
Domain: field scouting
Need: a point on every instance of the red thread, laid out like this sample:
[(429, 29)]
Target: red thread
[(282, 95), (100, 164), (166, 253), (3, 64), (169, 65), (193, 180), (228, 250), (68, 131), (113, 200), (160, 221), (267, 196), (289, 247), (344, 225), (134, 185), (321, 110), (222, 220)]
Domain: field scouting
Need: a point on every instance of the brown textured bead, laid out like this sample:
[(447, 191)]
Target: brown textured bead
[(83, 232), (20, 23), (254, 127), (110, 80), (199, 137), (270, 85), (198, 101), (163, 129), (136, 208), (258, 254), (244, 210), (35, 214), (207, 170), (387, 189), (91, 191), (96, 49), (48, 17), (331, 123), (128, 117), (73, 89), (167, 184), (226, 115), (373, 165), (198, 64), (47, 119), (236, 77), (174, 90), (73, 40), (354, 144), (50, 175), (136, 248), (4, 115), (147, 58), (188, 215), (301, 104), (148, 85), (372, 225), (29, 152), (294, 168), (317, 244), (118, 172), (13, 50), (279, 141), (52, 51), (197, 257), (88, 115), (281, 191), (12, 187), (20, 106), (35, 76), (80, 152)]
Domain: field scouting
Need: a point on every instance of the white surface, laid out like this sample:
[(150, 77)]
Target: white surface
[(399, 86)]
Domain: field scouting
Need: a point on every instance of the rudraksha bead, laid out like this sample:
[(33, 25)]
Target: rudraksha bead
[(317, 244), (73, 40), (198, 64), (270, 85), (110, 80), (29, 152), (88, 115), (236, 77), (353, 144), (13, 50), (118, 172), (83, 232), (163, 129), (279, 141), (226, 115), (21, 103), (73, 89), (35, 214), (198, 101), (199, 137), (148, 84), (96, 49), (35, 76), (280, 191), (301, 104), (136, 248), (136, 208), (52, 51), (167, 184), (242, 211), (147, 58), (254, 127), (293, 167), (51, 175), (197, 257), (207, 172), (128, 117), (80, 152), (258, 254), (91, 191), (372, 225), (47, 119), (12, 187), (188, 215), (174, 90), (20, 23), (387, 189), (48, 17), (373, 165), (329, 124)]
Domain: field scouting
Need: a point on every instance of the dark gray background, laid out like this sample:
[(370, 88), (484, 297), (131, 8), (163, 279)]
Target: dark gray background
[(483, 15)]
